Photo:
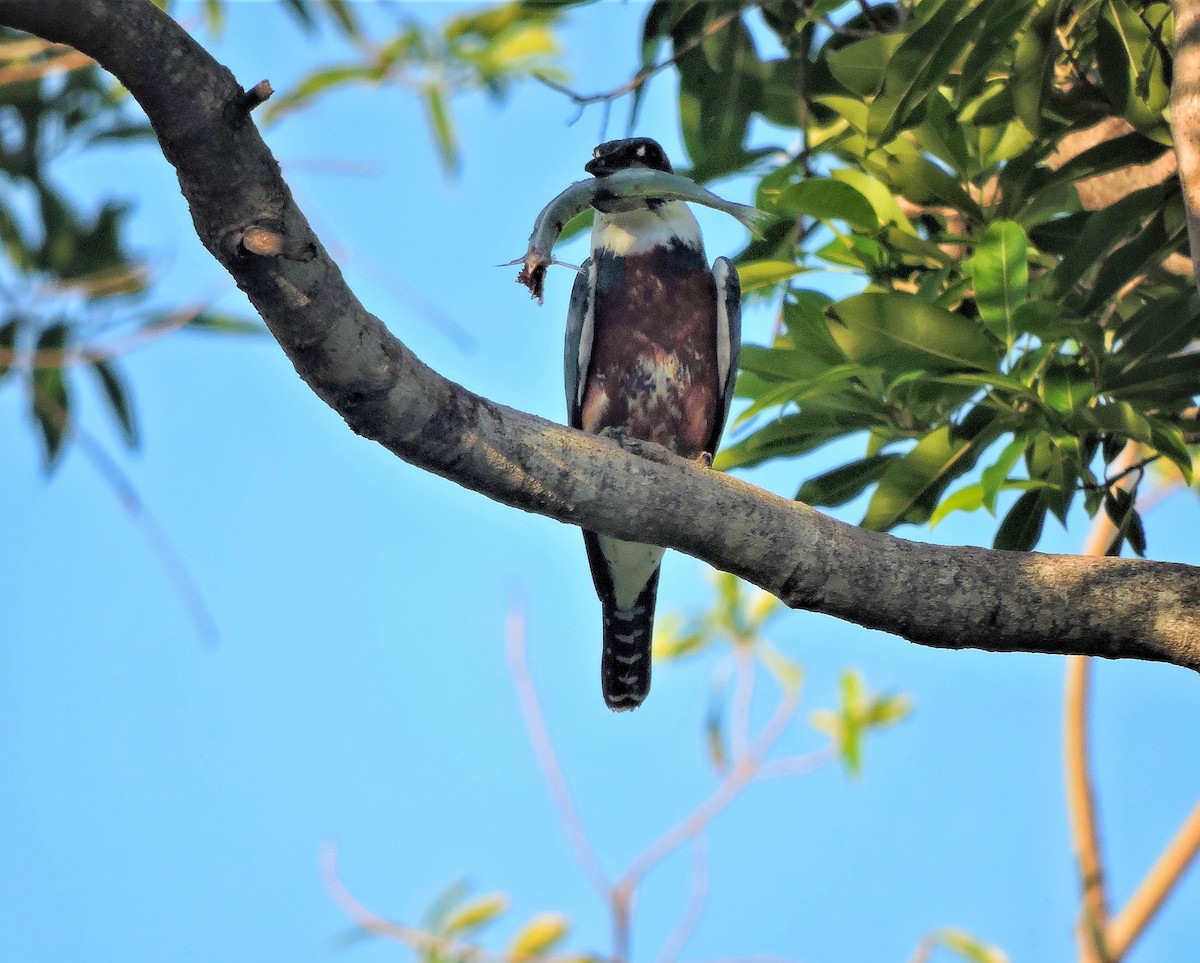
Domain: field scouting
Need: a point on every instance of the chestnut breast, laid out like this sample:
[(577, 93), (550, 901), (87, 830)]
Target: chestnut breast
[(653, 369)]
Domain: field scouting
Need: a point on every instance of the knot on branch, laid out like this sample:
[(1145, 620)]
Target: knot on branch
[(263, 240)]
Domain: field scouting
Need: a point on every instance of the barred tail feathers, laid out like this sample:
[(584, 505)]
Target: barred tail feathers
[(626, 578)]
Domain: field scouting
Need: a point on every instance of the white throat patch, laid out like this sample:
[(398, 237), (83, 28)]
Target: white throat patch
[(637, 231)]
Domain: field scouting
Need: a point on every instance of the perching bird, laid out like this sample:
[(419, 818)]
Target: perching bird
[(652, 345)]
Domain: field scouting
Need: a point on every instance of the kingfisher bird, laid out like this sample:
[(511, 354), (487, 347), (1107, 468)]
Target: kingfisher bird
[(652, 344)]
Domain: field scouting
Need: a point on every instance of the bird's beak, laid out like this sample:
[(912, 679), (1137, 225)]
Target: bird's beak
[(597, 167)]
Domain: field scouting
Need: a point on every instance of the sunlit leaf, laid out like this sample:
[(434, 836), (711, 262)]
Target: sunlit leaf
[(538, 935), (1000, 268), (900, 331)]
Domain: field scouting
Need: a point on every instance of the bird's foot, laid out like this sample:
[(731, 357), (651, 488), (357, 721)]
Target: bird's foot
[(649, 450)]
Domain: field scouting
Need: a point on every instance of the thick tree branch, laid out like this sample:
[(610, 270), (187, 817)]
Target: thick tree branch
[(948, 597)]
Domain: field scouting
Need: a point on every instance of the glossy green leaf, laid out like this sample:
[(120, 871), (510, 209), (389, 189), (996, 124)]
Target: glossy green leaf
[(1115, 417), (1167, 440), (758, 275), (966, 499), (910, 487), (994, 478), (1168, 380), (830, 200), (860, 66), (1131, 69), (846, 483), (1038, 49), (920, 63), (900, 331), (793, 434), (1022, 526), (1000, 269), (1002, 20), (1159, 329)]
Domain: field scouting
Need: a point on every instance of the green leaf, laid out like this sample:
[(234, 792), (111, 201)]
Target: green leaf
[(443, 128), (1115, 417), (322, 81), (968, 499), (766, 274), (1159, 329), (920, 64), (1000, 269), (792, 435), (1103, 231), (1022, 526), (117, 395), (1038, 49), (830, 200), (995, 476), (51, 396), (1131, 70), (968, 947), (1167, 440), (220, 322), (1168, 380), (860, 66), (900, 332), (880, 197), (843, 484), (909, 489), (1001, 22), (887, 710)]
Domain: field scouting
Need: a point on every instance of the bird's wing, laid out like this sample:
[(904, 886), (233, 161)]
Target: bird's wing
[(577, 353), (729, 339)]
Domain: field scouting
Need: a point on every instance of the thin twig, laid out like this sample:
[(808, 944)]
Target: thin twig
[(1150, 896), (418, 939), (694, 910), (583, 100), (1081, 800), (543, 748), (797, 765), (740, 774)]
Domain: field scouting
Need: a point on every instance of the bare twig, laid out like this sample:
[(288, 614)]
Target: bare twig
[(1081, 801), (740, 774), (1150, 896), (583, 100), (694, 910), (539, 736), (372, 923)]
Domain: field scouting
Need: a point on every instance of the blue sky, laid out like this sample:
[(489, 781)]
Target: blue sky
[(166, 799)]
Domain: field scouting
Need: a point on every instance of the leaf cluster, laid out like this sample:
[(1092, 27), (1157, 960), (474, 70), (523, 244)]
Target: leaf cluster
[(994, 176)]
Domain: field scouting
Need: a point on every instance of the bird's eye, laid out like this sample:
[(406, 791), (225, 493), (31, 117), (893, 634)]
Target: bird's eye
[(595, 153), (641, 151)]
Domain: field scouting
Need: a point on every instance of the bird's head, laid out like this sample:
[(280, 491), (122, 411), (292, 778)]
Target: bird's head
[(617, 155)]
